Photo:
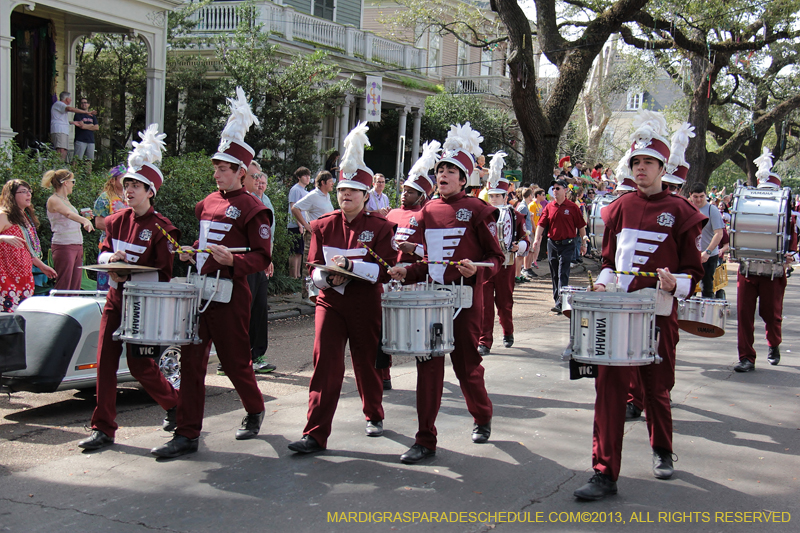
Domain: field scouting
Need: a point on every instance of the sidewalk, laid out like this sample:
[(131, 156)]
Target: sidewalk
[(736, 435)]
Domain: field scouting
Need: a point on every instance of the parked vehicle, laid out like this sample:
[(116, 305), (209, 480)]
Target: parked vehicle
[(61, 335)]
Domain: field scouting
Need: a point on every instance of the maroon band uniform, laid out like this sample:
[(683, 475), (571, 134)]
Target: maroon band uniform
[(347, 312), (233, 219), (644, 233), (144, 244), (407, 222), (498, 290), (455, 228)]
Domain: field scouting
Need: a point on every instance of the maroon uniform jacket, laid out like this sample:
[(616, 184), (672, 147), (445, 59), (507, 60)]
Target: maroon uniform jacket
[(143, 242), (644, 233), (234, 219), (407, 221), (333, 235), (456, 228)]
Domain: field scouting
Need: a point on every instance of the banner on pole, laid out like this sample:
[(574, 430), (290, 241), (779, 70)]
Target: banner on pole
[(374, 90)]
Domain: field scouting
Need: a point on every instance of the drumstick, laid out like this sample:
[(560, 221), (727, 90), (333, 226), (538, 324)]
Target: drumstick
[(649, 274), (376, 256), (591, 282), (208, 251), (174, 243), (454, 263)]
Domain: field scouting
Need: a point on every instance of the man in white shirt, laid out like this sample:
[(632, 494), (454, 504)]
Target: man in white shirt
[(378, 202), (316, 203), (297, 192), (59, 122)]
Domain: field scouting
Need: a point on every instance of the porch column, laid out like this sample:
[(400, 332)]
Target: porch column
[(401, 145), (415, 133), (6, 133), (344, 124), (156, 72)]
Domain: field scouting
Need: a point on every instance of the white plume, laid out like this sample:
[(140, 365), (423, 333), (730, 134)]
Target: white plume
[(430, 153), (464, 138), (680, 140), (496, 168), (648, 124), (764, 164), (239, 122), (623, 171), (354, 144), (148, 150)]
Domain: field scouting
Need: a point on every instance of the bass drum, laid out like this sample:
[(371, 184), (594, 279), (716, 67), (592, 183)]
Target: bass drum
[(596, 225), (758, 225)]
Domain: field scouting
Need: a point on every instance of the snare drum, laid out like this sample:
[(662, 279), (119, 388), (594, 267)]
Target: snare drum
[(758, 226), (566, 298), (704, 317), (418, 322), (596, 225), (157, 313), (613, 328)]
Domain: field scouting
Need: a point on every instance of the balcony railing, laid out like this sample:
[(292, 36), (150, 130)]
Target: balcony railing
[(220, 17), (494, 85)]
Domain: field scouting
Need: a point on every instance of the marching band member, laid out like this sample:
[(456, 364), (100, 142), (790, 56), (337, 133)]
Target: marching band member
[(459, 229), (229, 218), (513, 239), (132, 237), (649, 230), (767, 289), (348, 309)]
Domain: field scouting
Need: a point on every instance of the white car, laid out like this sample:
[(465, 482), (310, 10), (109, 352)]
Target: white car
[(61, 335)]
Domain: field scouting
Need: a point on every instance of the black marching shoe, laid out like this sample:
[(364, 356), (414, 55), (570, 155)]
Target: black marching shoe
[(744, 365), (170, 420), (179, 445), (556, 309), (374, 429), (597, 488), (481, 434), (508, 341), (632, 412), (415, 454), (251, 425), (97, 440), (662, 463), (774, 356), (307, 444), (387, 384), (483, 350)]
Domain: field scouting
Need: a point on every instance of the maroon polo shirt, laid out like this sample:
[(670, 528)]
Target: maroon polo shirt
[(562, 221)]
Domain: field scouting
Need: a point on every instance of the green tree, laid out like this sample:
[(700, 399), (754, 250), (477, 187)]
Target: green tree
[(290, 94)]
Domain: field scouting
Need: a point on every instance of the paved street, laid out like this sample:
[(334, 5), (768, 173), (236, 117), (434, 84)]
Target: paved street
[(737, 437)]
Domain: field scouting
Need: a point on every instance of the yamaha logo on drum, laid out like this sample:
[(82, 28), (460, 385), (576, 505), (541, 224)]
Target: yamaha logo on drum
[(137, 316), (600, 336)]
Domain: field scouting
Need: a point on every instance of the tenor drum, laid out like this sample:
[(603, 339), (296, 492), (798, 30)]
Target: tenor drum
[(613, 328), (418, 322), (157, 313), (758, 227), (566, 298), (704, 317), (596, 225)]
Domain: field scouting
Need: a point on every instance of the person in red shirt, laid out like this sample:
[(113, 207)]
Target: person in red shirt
[(460, 229), (132, 236), (562, 220)]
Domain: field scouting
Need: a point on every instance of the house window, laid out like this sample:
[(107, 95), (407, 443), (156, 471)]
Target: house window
[(324, 9), (435, 53), (486, 63), (461, 62), (635, 101)]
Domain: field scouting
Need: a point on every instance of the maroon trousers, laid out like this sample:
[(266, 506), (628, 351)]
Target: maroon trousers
[(67, 260), (335, 324), (226, 325), (636, 392), (769, 293), (467, 366), (498, 291), (613, 385), (144, 369)]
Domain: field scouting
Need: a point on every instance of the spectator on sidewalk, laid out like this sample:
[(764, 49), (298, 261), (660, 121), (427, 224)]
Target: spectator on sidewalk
[(59, 122), (378, 202), (296, 193), (85, 126)]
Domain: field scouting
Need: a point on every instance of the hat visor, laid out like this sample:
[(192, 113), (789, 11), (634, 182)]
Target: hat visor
[(496, 191), (220, 156)]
